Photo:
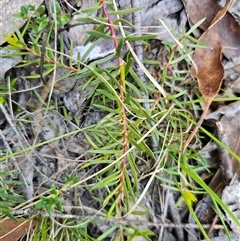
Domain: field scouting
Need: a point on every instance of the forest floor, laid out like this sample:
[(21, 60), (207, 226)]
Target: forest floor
[(98, 100)]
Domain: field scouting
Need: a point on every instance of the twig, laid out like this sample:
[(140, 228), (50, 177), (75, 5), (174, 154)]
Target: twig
[(196, 127), (101, 216), (175, 215)]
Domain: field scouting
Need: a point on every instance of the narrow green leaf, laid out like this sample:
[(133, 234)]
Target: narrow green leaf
[(105, 152), (141, 38), (90, 141), (90, 10), (126, 11), (112, 193), (193, 214), (195, 26), (113, 206), (108, 233), (136, 78), (128, 188), (179, 59), (212, 194), (99, 34)]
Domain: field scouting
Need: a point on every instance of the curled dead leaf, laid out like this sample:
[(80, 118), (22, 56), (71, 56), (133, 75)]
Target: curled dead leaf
[(198, 10), (208, 67)]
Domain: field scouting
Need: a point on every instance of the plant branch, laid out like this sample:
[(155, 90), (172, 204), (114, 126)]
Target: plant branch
[(123, 112)]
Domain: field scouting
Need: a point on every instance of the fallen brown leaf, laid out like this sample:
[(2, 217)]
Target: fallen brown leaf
[(198, 10), (14, 230), (229, 36), (228, 29), (207, 65)]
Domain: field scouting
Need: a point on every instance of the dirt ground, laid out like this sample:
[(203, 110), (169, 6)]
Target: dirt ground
[(59, 115)]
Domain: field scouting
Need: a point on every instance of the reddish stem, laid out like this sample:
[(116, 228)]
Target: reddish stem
[(124, 119), (209, 101)]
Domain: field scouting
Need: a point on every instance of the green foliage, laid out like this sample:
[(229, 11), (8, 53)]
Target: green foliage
[(38, 19), (4, 90), (132, 140), (9, 198), (51, 201)]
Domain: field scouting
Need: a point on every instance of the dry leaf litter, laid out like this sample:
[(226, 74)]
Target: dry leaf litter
[(50, 163)]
